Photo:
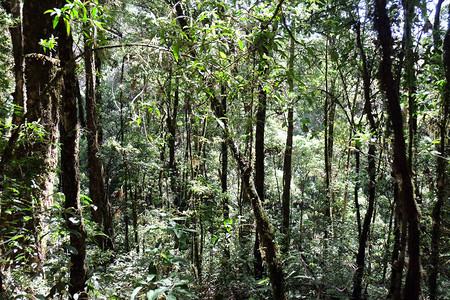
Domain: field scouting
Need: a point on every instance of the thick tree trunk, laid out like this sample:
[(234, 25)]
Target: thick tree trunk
[(398, 252), (400, 163), (31, 164), (69, 163), (43, 107)]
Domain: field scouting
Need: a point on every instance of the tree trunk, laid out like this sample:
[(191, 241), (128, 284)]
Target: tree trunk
[(95, 168), (356, 192), (400, 163), (172, 112), (224, 170), (408, 8), (326, 147), (441, 177), (134, 213), (14, 8), (31, 164), (371, 170), (263, 225), (259, 172), (42, 102), (287, 165), (69, 163)]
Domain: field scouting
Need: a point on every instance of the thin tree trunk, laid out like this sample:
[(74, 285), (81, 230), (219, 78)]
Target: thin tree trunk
[(400, 163), (14, 8), (356, 193), (371, 170), (259, 172), (95, 169), (410, 75), (224, 170), (172, 111), (263, 225), (287, 165), (126, 217), (326, 140), (134, 205), (387, 244), (441, 177)]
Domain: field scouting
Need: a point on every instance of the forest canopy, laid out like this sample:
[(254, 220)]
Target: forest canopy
[(222, 149)]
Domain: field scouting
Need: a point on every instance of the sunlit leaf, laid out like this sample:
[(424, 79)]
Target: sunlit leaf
[(135, 292), (241, 45)]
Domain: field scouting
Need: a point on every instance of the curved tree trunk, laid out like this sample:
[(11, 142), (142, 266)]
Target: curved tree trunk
[(263, 225), (400, 163)]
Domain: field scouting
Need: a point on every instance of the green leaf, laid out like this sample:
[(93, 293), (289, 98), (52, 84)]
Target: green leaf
[(223, 55), (262, 281), (176, 51), (135, 292), (55, 21), (152, 295), (17, 237), (241, 45), (66, 21)]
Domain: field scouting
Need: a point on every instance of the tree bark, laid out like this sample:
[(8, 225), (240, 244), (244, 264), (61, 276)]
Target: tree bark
[(410, 78), (326, 146), (14, 8), (263, 226), (371, 170), (400, 163), (42, 108), (259, 172), (441, 176), (224, 169), (69, 163), (287, 165), (95, 168)]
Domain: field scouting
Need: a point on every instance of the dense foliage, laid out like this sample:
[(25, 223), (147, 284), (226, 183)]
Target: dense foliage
[(224, 149)]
